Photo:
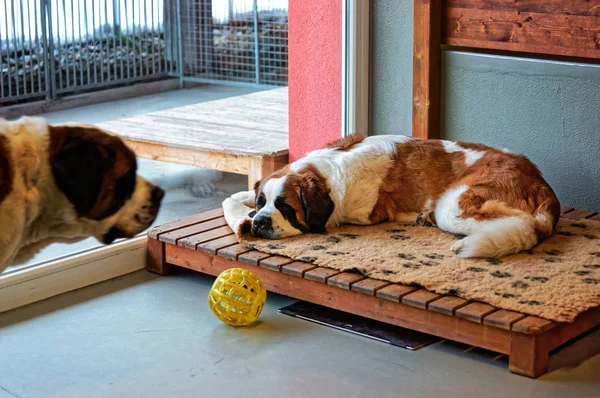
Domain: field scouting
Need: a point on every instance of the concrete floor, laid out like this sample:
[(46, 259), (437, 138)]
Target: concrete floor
[(189, 190), (146, 336)]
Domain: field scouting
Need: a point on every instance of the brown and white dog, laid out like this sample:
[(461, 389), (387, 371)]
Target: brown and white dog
[(497, 199), (63, 183)]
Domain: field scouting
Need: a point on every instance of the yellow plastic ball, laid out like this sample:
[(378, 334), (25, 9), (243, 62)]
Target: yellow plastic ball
[(237, 297)]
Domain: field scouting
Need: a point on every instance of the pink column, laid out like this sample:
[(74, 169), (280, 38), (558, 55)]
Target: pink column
[(315, 74)]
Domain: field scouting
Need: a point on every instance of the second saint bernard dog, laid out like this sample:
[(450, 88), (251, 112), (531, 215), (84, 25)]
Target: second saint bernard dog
[(497, 199)]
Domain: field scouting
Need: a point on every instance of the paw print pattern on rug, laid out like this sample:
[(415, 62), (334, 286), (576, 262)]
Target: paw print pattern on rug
[(520, 285), (400, 237), (541, 279), (318, 247), (333, 239), (395, 231), (406, 256), (350, 236), (500, 274), (434, 256), (476, 269)]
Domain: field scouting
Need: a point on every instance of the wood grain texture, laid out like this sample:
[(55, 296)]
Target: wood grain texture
[(275, 263), (320, 274), (577, 215), (192, 241), (253, 124), (420, 298), (232, 252), (155, 257), (426, 69), (528, 355), (369, 286), (320, 293), (503, 319), (297, 268), (253, 257), (532, 325), (345, 280), (564, 7), (557, 29), (395, 292), (475, 312), (156, 232), (174, 236), (215, 245), (447, 304)]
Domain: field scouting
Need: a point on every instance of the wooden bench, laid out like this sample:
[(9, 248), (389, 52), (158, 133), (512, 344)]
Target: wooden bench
[(246, 134), (206, 244)]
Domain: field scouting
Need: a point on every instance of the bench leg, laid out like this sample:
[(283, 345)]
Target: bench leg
[(528, 355), (261, 167), (155, 257)]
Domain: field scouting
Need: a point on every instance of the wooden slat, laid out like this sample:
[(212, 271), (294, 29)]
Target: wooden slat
[(173, 237), (215, 245), (253, 257), (503, 319), (191, 242), (275, 263), (532, 325), (232, 252), (420, 298), (395, 292), (594, 218), (320, 274), (426, 69), (565, 210), (447, 327), (475, 311), (345, 279), (578, 214), (369, 286), (573, 7), (512, 30), (155, 232), (297, 268), (447, 304)]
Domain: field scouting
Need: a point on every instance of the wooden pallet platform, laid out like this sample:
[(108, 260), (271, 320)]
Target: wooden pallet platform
[(206, 244)]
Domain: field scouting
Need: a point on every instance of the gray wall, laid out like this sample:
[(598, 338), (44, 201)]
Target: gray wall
[(547, 110)]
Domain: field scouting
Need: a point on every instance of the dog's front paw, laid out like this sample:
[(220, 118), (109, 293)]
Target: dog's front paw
[(426, 219)]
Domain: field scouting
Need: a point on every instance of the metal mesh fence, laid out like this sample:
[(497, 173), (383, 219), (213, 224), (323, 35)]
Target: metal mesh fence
[(54, 47), (50, 48), (235, 40)]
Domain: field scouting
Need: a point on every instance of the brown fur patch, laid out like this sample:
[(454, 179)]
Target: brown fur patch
[(6, 169), (346, 143), (81, 141), (501, 184)]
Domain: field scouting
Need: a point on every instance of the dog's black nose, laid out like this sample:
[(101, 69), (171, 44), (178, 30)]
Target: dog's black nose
[(262, 222)]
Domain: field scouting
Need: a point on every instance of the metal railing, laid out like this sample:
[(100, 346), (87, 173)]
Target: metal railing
[(52, 48)]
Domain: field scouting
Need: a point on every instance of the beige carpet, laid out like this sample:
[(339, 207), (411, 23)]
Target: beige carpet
[(557, 280)]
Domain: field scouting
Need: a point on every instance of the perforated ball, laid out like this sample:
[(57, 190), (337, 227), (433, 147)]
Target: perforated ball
[(237, 297)]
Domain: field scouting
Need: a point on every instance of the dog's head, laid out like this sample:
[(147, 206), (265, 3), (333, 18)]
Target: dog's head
[(291, 203), (96, 172)]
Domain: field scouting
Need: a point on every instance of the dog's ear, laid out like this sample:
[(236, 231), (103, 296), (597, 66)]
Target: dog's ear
[(80, 162), (318, 206)]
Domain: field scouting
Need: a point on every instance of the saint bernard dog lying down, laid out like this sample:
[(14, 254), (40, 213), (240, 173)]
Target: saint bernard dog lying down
[(496, 199), (63, 183)]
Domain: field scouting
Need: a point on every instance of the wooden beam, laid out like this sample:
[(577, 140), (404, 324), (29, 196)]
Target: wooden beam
[(426, 69)]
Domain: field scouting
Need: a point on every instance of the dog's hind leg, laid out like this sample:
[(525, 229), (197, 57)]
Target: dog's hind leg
[(492, 228)]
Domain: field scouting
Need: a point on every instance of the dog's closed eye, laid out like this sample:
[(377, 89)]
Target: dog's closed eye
[(252, 214)]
